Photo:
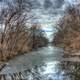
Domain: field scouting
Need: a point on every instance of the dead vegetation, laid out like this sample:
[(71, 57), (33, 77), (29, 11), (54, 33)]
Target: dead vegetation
[(16, 37), (68, 35), (38, 36)]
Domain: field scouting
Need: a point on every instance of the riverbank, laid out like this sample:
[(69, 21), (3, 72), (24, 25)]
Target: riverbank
[(68, 35), (38, 57), (47, 61)]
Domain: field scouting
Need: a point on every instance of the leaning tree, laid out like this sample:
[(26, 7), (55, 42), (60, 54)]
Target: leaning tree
[(13, 21), (15, 35)]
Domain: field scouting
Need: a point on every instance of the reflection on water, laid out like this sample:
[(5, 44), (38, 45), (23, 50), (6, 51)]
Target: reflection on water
[(71, 69), (46, 63), (55, 70)]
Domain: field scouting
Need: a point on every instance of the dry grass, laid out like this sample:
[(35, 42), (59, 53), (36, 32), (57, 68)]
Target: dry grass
[(11, 47), (17, 37), (68, 33), (16, 43)]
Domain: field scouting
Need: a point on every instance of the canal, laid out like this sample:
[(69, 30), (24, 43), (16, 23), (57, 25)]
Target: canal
[(45, 63)]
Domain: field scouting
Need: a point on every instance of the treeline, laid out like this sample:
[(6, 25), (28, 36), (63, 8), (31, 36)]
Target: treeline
[(16, 36), (68, 35)]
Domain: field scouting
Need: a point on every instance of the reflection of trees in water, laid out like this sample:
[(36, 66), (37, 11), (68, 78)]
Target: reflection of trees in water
[(65, 70), (29, 74), (72, 69)]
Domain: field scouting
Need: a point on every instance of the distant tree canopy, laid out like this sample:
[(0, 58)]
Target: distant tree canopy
[(47, 4), (38, 37)]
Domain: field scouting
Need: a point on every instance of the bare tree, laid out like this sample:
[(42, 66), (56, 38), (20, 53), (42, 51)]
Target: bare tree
[(14, 18), (38, 36), (69, 30), (16, 37)]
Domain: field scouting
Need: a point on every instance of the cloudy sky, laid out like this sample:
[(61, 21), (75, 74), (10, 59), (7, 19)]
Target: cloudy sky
[(47, 12)]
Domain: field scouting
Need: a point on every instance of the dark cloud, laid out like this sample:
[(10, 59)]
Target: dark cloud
[(1, 0), (58, 3), (53, 3), (47, 4), (35, 4)]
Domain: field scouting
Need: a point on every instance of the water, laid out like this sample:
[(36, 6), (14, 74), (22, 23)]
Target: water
[(45, 63)]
